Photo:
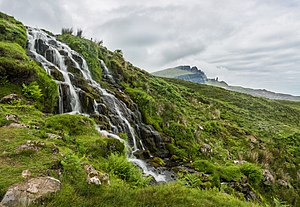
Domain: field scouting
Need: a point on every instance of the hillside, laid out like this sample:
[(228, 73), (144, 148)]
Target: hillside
[(197, 76), (151, 141), (254, 92)]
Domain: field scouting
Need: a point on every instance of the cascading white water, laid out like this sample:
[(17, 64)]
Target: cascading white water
[(35, 35), (59, 52), (116, 103), (105, 70), (147, 169)]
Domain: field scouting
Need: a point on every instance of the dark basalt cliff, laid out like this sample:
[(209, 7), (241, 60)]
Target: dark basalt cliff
[(193, 74)]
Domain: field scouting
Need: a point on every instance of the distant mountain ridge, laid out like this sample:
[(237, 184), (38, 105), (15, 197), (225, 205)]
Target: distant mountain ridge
[(184, 72), (193, 74)]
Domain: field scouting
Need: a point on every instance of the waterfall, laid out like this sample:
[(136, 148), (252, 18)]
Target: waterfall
[(53, 56), (106, 71), (41, 45)]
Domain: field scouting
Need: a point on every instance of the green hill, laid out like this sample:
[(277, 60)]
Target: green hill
[(171, 73), (226, 148)]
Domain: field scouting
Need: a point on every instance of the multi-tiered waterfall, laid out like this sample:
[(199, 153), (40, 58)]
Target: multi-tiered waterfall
[(68, 68)]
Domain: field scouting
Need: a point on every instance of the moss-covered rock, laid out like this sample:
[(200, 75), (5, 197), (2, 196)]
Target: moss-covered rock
[(71, 124), (157, 162), (17, 69)]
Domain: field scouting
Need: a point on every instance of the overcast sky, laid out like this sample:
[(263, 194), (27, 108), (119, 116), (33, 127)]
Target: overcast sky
[(253, 43)]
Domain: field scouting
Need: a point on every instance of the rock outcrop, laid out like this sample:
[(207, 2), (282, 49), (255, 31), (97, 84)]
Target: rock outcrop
[(96, 177), (9, 98), (31, 146)]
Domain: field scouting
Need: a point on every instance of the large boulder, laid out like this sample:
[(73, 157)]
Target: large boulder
[(30, 191)]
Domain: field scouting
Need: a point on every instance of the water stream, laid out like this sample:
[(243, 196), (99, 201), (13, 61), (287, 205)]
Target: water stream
[(53, 56)]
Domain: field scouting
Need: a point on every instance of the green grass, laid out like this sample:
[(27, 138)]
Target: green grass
[(12, 30), (71, 124), (171, 73), (75, 149), (167, 195)]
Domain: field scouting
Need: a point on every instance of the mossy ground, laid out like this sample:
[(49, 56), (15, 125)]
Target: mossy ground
[(78, 146)]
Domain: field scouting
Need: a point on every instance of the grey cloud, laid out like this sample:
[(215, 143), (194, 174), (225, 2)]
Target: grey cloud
[(253, 43), (41, 13)]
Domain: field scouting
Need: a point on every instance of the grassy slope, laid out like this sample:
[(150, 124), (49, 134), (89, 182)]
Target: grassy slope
[(80, 144), (171, 73), (230, 120)]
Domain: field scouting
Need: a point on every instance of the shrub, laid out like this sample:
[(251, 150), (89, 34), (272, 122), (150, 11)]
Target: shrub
[(177, 153), (72, 169), (191, 180), (104, 147), (67, 31), (32, 91), (120, 166), (79, 33), (253, 172), (204, 166), (180, 132), (230, 173)]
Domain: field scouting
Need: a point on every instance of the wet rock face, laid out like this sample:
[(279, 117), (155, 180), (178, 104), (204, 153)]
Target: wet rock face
[(78, 59), (87, 102), (142, 154), (153, 141), (30, 191), (65, 91), (152, 138), (41, 47), (56, 74)]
